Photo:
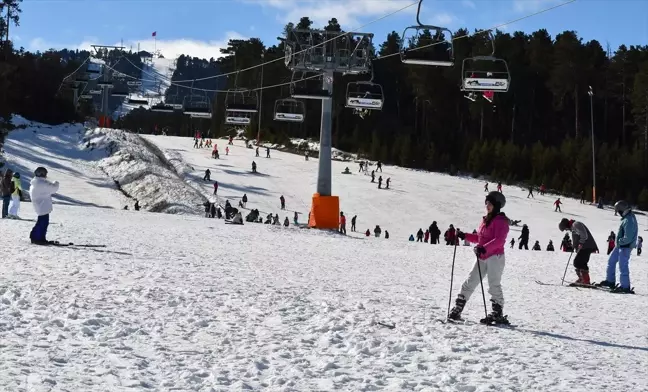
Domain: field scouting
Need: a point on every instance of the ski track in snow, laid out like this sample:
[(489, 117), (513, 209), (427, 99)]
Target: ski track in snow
[(180, 302)]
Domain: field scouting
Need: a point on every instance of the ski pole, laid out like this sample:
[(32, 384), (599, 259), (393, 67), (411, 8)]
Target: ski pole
[(567, 266), (481, 283), (454, 254)]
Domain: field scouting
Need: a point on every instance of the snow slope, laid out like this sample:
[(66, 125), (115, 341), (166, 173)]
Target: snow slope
[(180, 302)]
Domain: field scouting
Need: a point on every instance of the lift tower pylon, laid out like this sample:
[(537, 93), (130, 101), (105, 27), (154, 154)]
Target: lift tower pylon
[(327, 53)]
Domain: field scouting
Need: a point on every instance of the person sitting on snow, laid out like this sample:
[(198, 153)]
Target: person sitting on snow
[(238, 219)]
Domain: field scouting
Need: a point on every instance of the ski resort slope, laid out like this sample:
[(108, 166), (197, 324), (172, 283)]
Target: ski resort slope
[(58, 148), (180, 302)]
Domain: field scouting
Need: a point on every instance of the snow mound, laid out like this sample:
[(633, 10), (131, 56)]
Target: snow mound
[(143, 173)]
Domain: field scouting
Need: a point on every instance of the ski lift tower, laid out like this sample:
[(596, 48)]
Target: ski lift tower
[(327, 53), (108, 55)]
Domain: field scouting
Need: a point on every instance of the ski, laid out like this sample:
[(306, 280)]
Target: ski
[(63, 244), (386, 325), (467, 322)]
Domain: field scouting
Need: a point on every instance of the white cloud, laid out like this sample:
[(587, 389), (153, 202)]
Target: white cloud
[(469, 4), (532, 5), (443, 19), (347, 13), (170, 48)]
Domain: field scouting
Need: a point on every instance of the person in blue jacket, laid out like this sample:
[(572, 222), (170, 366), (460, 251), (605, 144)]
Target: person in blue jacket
[(626, 240)]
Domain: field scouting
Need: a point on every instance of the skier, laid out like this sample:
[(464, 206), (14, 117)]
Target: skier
[(524, 238), (361, 166), (490, 240), (419, 235), (215, 187), (196, 143), (295, 219), (231, 141), (386, 235), (226, 150), (257, 151), (353, 222), (512, 243), (41, 191), (380, 182), (435, 233), (373, 176), (550, 246), (427, 236), (379, 166), (342, 223), (611, 240), (536, 246), (582, 197), (244, 200), (6, 189), (543, 189), (388, 182), (584, 244), (377, 231), (486, 187), (286, 222), (306, 155), (137, 205), (450, 236), (14, 205), (530, 192), (207, 175), (557, 203), (254, 167), (626, 239), (499, 187), (267, 152), (283, 202), (639, 245)]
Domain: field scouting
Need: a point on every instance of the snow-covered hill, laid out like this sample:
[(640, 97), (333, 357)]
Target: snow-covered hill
[(181, 302)]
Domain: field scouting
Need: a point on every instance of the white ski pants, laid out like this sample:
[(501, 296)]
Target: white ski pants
[(492, 268), (14, 205)]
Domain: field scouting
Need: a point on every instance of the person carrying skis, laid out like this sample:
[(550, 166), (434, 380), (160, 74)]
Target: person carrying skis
[(557, 203), (283, 202), (342, 223), (524, 238), (490, 239), (41, 191), (353, 222), (207, 175), (584, 244), (626, 240)]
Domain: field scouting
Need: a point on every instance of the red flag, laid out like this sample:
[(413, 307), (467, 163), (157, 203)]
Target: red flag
[(154, 34)]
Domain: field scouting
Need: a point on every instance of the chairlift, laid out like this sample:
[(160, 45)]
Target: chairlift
[(134, 83), (197, 105), (162, 108), (485, 73), (105, 83), (119, 93), (289, 110), (240, 106), (137, 101), (86, 97), (365, 95), (302, 91), (426, 44), (95, 92)]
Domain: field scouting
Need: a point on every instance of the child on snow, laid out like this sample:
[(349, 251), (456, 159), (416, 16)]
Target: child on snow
[(490, 239), (583, 242), (41, 191)]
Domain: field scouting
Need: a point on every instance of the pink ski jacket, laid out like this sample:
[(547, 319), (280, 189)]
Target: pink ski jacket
[(493, 237)]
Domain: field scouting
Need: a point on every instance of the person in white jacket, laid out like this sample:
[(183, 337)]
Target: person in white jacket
[(41, 191)]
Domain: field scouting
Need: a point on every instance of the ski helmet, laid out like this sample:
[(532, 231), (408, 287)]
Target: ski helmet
[(621, 207), (16, 175), (40, 172), (564, 224), (497, 199)]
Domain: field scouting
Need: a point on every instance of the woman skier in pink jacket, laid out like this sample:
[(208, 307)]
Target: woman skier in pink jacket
[(490, 239)]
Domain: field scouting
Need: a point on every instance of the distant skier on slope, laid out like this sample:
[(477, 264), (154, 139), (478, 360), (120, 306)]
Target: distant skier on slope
[(380, 182), (353, 222), (486, 187), (499, 187), (254, 167), (490, 239), (557, 203), (530, 192), (296, 219), (283, 202), (524, 238), (373, 176), (388, 183), (267, 152), (435, 233), (584, 244), (626, 240), (16, 195), (215, 187), (342, 223), (207, 176), (41, 191)]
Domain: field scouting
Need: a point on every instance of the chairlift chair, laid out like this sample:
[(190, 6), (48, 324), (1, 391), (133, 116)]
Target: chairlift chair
[(105, 83), (95, 92), (86, 97), (137, 101), (240, 106), (197, 105), (121, 93), (134, 83), (302, 91), (289, 110), (485, 73), (162, 108), (433, 51), (365, 95), (173, 100)]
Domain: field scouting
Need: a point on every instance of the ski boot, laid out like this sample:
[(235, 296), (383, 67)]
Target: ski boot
[(585, 278), (622, 290), (580, 277), (496, 317), (607, 283), (455, 313)]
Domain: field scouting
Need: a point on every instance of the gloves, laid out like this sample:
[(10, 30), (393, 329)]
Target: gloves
[(461, 235), (479, 250)]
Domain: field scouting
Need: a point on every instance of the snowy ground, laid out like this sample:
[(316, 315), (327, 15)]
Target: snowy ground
[(180, 302)]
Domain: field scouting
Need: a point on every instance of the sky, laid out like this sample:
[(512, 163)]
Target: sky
[(202, 27)]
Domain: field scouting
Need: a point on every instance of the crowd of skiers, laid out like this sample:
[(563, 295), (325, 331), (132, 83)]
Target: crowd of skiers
[(342, 227)]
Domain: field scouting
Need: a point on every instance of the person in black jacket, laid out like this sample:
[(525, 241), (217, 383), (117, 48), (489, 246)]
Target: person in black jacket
[(524, 238), (435, 233), (419, 235), (584, 244)]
